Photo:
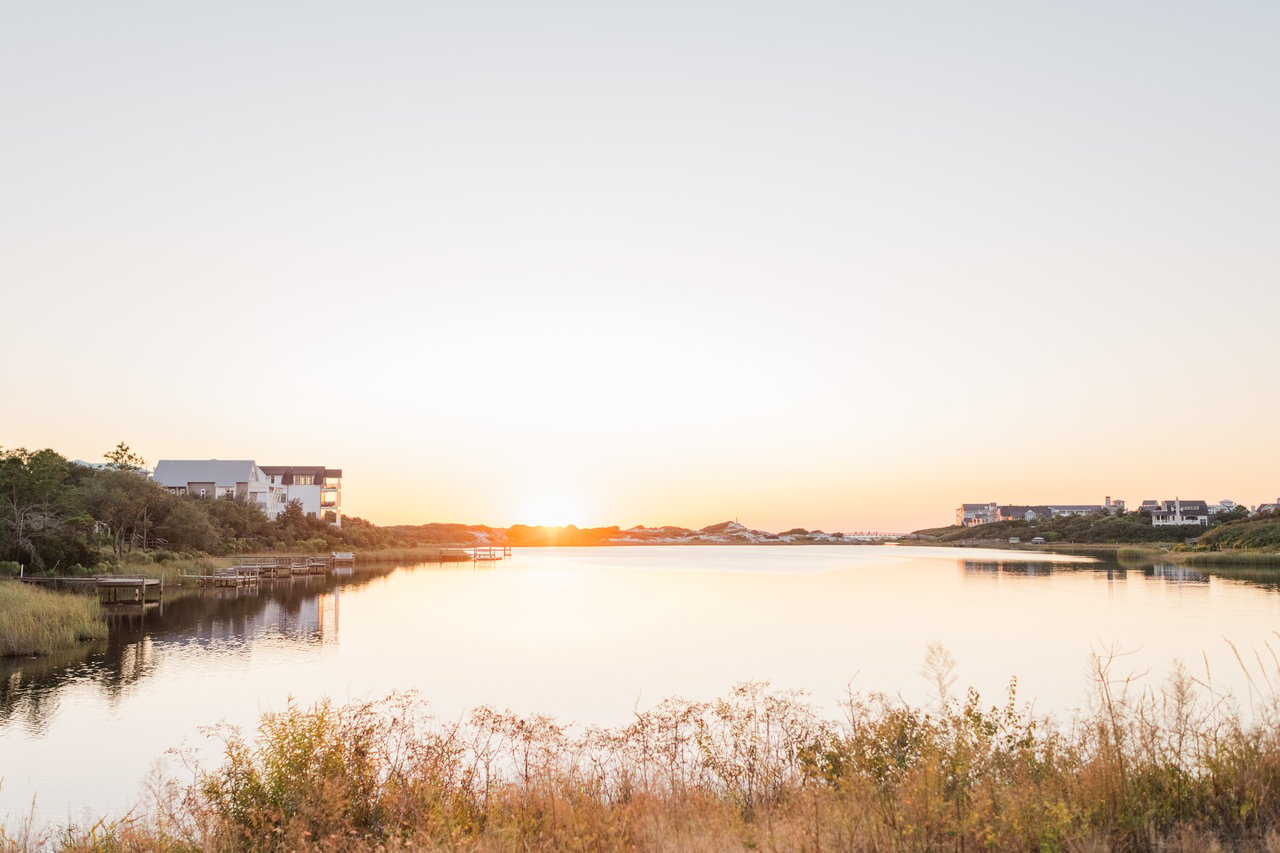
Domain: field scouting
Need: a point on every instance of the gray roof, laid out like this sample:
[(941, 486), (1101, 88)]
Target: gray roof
[(220, 472)]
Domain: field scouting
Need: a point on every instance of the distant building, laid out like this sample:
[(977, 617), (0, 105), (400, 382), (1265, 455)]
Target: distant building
[(1149, 506), (217, 478), (1222, 506), (1016, 512), (1062, 510), (1179, 512), (967, 515), (317, 488)]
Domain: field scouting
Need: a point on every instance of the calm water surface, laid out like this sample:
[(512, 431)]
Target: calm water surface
[(591, 634)]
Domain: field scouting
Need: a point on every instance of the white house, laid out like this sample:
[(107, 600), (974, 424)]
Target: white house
[(216, 478), (317, 488), (1177, 512), (968, 515)]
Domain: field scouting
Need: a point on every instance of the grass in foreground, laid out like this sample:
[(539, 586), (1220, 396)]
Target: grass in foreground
[(37, 622), (1174, 770)]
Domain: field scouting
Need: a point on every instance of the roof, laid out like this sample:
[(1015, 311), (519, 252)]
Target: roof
[(1170, 505), (1077, 507), (220, 472), (1021, 509), (975, 506), (288, 471)]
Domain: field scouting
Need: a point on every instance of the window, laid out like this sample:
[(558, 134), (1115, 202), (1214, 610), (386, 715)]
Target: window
[(204, 493), (304, 479)]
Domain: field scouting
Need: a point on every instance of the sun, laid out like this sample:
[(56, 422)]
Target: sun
[(550, 507)]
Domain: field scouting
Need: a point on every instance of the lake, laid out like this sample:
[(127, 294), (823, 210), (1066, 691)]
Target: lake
[(592, 634)]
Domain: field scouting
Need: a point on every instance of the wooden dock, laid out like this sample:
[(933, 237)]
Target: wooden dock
[(238, 576), (110, 589), (473, 554)]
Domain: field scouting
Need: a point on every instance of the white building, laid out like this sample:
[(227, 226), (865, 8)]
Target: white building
[(317, 488), (1176, 512), (217, 478), (968, 515)]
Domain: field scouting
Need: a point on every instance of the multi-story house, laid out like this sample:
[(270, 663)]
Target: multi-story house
[(1017, 512), (317, 488), (968, 515), (1180, 512), (217, 478)]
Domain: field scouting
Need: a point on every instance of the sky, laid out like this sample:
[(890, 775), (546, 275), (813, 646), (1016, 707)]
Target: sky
[(830, 265)]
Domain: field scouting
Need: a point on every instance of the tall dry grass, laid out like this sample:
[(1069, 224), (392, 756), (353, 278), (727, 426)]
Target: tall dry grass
[(1177, 769), (38, 622)]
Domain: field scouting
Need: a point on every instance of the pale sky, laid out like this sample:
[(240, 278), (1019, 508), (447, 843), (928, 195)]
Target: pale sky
[(835, 265)]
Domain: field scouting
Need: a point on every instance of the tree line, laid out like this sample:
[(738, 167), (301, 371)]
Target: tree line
[(57, 515)]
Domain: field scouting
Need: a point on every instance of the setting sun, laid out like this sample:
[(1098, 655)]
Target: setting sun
[(551, 507)]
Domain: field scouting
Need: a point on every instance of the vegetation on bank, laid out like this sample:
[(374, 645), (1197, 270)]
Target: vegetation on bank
[(1132, 527), (1177, 769), (36, 622), (1261, 533), (1233, 539), (64, 518)]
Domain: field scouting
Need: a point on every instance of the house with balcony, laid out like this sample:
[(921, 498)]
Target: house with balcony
[(967, 515), (317, 488), (1180, 512), (219, 478), (1020, 512)]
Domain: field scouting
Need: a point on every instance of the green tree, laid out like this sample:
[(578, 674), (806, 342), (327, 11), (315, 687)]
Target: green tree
[(187, 526), (124, 459), (33, 504), (124, 506)]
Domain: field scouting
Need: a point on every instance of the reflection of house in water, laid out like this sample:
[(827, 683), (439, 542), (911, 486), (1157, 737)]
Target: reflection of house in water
[(315, 618), (1175, 574), (309, 618), (1009, 567)]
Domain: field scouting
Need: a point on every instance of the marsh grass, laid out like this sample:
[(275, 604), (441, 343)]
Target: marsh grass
[(1232, 558), (1175, 769), (37, 622)]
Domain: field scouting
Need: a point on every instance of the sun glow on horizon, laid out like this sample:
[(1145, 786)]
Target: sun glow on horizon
[(551, 507)]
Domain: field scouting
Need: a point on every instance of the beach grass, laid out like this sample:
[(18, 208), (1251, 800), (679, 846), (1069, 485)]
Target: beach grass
[(37, 622), (1173, 769)]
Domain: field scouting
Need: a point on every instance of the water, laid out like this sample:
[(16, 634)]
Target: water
[(591, 634)]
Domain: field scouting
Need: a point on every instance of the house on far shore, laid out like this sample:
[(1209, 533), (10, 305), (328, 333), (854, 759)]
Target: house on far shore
[(217, 478), (1017, 512), (1179, 512), (967, 515), (317, 488)]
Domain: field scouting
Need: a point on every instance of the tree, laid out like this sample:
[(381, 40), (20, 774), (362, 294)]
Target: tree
[(124, 459), (125, 507), (33, 501), (187, 526)]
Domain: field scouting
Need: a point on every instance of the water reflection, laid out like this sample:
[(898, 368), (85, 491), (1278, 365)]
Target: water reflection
[(1173, 573), (303, 610), (1025, 568)]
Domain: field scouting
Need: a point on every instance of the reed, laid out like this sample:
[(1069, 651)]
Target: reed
[(1232, 558), (37, 622), (1175, 769)]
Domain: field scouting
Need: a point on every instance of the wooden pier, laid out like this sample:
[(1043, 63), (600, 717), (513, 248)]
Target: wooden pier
[(239, 576), (110, 589), (473, 554)]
